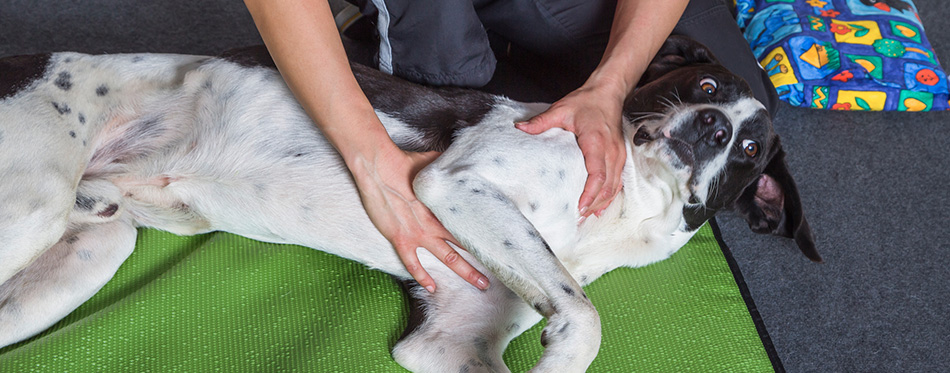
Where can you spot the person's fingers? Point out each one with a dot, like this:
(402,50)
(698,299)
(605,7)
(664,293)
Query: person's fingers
(441,246)
(407,254)
(451,258)
(540,123)
(613,182)
(596,177)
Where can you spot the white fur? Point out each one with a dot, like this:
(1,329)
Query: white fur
(190,145)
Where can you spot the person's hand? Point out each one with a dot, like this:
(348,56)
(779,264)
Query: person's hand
(593,115)
(385,185)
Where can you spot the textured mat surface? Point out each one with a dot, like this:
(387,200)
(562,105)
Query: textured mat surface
(224,302)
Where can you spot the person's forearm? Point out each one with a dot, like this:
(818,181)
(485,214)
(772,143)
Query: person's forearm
(306,46)
(638,31)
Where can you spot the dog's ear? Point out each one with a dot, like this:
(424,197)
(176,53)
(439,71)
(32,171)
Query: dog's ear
(676,52)
(772,205)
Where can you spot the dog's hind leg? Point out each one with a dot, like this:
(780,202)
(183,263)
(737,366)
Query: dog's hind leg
(493,229)
(460,328)
(63,277)
(46,130)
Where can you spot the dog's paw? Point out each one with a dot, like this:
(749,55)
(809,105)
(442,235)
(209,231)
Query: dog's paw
(571,339)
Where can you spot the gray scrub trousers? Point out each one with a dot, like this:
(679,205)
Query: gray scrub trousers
(447,42)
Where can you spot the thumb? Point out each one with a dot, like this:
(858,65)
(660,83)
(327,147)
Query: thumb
(536,125)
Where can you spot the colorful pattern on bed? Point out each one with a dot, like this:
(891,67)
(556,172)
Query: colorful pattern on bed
(845,54)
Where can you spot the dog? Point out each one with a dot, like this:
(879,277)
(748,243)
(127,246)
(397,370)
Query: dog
(92,147)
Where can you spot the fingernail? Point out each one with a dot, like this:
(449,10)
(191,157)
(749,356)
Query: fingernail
(601,212)
(584,211)
(430,288)
(483,283)
(581,220)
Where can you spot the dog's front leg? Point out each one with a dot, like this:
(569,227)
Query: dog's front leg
(492,228)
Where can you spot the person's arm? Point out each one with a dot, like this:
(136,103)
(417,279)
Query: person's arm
(593,111)
(305,44)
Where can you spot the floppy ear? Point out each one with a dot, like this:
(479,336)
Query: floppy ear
(772,205)
(676,52)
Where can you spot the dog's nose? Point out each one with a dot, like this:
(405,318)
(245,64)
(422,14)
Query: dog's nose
(714,127)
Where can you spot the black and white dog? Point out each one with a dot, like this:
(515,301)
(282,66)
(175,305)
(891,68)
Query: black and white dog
(92,147)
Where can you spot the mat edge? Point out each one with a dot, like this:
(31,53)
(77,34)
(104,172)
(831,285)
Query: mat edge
(747,298)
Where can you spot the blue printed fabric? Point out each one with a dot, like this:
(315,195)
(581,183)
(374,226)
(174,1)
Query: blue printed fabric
(845,54)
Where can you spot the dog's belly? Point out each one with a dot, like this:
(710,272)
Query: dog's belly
(237,155)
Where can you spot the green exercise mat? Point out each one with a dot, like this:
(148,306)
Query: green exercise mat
(220,302)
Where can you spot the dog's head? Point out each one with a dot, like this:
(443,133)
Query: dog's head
(698,123)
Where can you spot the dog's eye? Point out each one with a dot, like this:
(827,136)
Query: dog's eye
(708,85)
(751,148)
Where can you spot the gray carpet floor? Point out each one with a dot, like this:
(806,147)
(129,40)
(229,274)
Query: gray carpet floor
(874,186)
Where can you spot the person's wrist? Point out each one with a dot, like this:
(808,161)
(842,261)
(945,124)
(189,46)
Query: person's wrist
(363,161)
(608,87)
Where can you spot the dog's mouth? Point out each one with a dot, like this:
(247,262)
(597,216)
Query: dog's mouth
(676,153)
(683,150)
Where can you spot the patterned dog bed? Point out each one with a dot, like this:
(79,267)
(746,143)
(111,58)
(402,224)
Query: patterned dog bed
(845,54)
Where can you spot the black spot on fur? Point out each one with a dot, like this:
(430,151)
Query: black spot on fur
(483,351)
(102,90)
(435,113)
(476,191)
(567,289)
(534,234)
(82,119)
(72,134)
(533,206)
(84,255)
(538,307)
(19,72)
(84,202)
(72,239)
(454,210)
(62,108)
(508,244)
(561,174)
(138,59)
(64,81)
(500,197)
